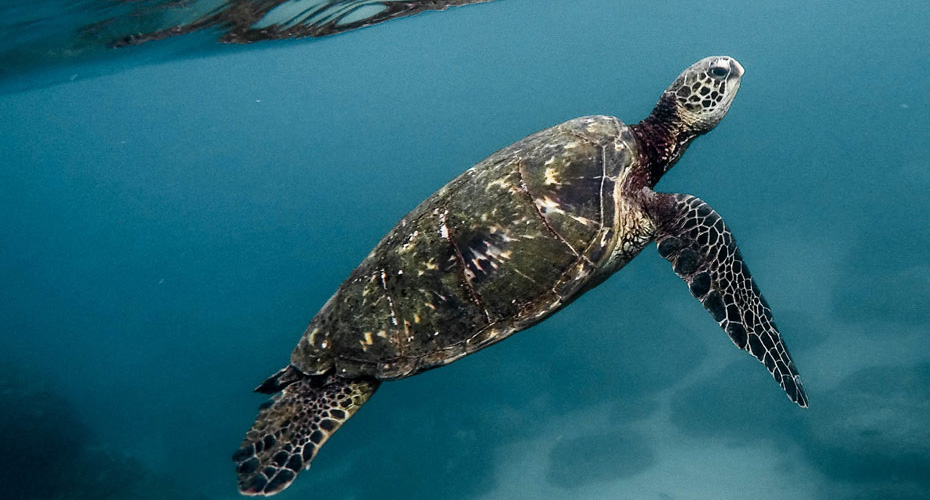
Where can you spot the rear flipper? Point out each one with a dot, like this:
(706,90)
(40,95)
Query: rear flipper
(292,427)
(702,251)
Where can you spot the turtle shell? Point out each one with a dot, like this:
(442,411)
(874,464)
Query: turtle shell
(498,249)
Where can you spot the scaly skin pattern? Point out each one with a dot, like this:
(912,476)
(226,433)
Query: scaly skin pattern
(292,427)
(498,249)
(703,252)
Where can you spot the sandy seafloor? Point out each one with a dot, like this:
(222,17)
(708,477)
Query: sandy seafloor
(169,229)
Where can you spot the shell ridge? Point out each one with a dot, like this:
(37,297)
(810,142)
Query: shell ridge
(532,200)
(448,235)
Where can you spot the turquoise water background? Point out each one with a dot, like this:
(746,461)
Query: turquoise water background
(169,230)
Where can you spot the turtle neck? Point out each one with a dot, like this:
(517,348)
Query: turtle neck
(662,138)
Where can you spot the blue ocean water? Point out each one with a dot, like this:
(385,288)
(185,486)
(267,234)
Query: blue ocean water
(169,229)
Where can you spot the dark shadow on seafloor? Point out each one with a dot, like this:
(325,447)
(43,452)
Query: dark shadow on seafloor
(49,454)
(873,433)
(885,277)
(599,458)
(869,436)
(726,406)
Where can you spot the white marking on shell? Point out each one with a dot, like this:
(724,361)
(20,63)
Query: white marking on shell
(502,182)
(551,173)
(547,310)
(409,244)
(312,338)
(367,341)
(582,272)
(497,254)
(388,297)
(525,276)
(500,232)
(443,229)
(494,256)
(584,220)
(549,205)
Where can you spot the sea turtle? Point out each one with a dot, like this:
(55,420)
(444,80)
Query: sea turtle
(502,247)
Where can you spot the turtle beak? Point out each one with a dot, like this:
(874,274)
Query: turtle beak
(736,69)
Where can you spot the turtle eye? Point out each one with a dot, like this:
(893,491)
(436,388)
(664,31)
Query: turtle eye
(719,72)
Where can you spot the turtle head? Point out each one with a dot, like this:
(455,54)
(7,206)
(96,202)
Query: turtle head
(703,92)
(691,106)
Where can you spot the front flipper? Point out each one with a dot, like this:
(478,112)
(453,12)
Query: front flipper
(292,427)
(703,252)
